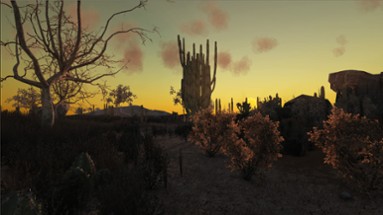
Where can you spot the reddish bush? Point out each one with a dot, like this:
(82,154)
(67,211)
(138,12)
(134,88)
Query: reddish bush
(210,132)
(254,144)
(353,145)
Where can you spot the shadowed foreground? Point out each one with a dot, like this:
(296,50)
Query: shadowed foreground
(295,185)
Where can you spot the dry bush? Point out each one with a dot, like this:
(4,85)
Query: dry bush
(254,144)
(353,145)
(209,131)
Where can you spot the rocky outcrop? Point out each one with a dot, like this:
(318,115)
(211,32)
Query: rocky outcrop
(299,116)
(358,92)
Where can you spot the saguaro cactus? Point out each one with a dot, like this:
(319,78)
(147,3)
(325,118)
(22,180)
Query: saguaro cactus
(197,84)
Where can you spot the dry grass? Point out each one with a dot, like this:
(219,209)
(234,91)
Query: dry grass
(295,185)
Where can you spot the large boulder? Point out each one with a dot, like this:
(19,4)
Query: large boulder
(358,92)
(298,117)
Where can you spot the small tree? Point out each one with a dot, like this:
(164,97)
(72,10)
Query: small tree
(28,99)
(210,132)
(79,110)
(353,145)
(121,95)
(244,109)
(254,144)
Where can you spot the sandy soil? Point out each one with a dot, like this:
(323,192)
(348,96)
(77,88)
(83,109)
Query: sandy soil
(295,185)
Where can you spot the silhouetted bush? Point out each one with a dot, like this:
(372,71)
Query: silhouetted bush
(130,141)
(125,194)
(44,161)
(183,130)
(153,164)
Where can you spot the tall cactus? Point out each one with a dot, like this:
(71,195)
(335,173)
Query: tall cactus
(322,93)
(197,85)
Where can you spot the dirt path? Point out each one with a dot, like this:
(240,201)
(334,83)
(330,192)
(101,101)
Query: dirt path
(295,185)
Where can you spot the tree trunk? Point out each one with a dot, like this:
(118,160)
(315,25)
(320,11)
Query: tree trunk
(47,111)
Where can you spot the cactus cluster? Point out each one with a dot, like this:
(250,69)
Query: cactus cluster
(218,108)
(244,109)
(270,106)
(197,85)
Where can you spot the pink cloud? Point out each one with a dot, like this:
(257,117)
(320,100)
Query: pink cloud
(339,51)
(370,5)
(169,54)
(89,17)
(133,58)
(264,44)
(341,40)
(242,66)
(224,60)
(197,27)
(217,17)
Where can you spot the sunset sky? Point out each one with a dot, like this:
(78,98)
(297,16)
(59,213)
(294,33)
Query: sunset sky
(265,47)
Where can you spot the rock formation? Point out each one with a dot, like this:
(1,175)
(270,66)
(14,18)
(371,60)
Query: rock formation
(298,117)
(359,92)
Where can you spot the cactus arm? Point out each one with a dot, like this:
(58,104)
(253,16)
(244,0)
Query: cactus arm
(181,51)
(213,81)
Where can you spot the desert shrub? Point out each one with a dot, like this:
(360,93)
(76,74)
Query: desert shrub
(130,142)
(20,203)
(353,145)
(125,193)
(255,144)
(210,131)
(41,160)
(72,192)
(183,130)
(153,164)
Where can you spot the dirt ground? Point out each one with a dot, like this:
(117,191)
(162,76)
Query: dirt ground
(295,185)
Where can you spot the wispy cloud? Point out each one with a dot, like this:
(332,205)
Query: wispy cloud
(341,40)
(264,44)
(169,54)
(224,60)
(89,17)
(216,16)
(339,51)
(370,5)
(194,28)
(242,66)
(133,58)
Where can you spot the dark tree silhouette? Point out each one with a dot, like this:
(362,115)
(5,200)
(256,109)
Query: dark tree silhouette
(121,95)
(28,99)
(57,48)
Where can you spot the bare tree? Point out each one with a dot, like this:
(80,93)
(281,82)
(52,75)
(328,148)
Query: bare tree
(58,50)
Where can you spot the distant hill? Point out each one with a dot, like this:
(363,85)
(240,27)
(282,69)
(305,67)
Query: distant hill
(129,111)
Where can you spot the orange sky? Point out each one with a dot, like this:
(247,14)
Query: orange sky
(265,47)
